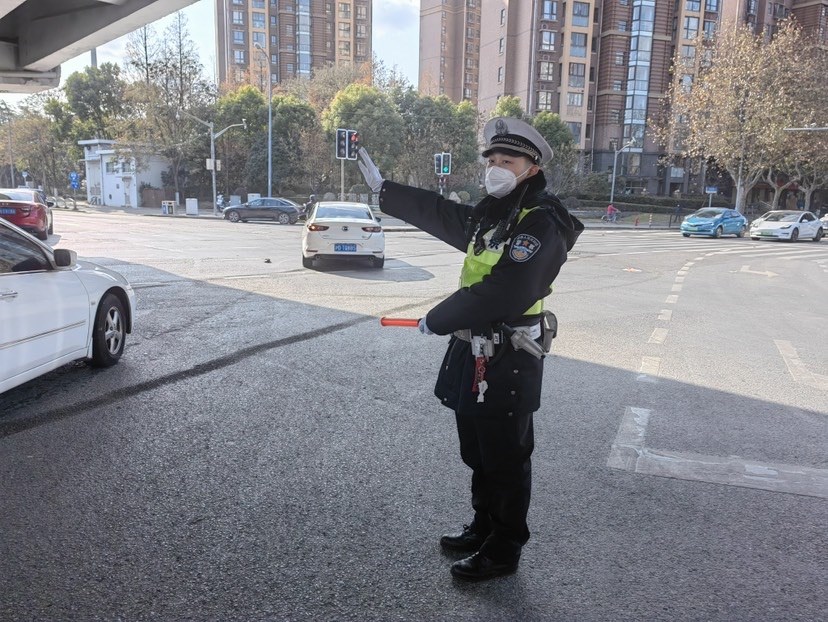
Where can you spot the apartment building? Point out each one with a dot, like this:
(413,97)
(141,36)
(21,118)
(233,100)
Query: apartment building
(284,39)
(603,65)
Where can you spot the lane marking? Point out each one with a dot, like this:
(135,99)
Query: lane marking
(768,273)
(658,335)
(671,299)
(666,315)
(649,366)
(628,453)
(680,279)
(798,370)
(676,288)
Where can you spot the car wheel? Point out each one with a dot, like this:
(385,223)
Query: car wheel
(284,219)
(233,216)
(687,235)
(753,238)
(378,262)
(109,332)
(794,235)
(741,233)
(42,235)
(718,232)
(818,235)
(51,226)
(307,262)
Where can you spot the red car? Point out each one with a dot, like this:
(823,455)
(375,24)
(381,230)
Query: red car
(28,210)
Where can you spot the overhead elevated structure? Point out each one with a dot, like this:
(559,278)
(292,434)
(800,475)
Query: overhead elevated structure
(36,36)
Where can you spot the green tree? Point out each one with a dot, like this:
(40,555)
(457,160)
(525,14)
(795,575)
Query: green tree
(234,148)
(375,116)
(562,172)
(96,97)
(508,106)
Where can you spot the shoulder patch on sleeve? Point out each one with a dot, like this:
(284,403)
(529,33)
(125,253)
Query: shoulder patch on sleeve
(523,247)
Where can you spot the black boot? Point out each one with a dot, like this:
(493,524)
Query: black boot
(467,540)
(478,567)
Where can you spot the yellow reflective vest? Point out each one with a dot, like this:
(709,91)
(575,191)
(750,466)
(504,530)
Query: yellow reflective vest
(475,267)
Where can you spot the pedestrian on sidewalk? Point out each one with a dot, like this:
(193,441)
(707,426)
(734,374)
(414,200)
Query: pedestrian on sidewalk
(516,240)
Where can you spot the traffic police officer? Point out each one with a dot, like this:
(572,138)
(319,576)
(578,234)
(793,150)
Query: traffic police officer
(516,239)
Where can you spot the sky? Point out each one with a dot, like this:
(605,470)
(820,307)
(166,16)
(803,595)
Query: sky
(396,39)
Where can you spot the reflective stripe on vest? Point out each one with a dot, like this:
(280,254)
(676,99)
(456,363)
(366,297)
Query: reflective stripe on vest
(475,267)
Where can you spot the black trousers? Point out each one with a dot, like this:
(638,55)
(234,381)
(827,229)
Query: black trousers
(498,450)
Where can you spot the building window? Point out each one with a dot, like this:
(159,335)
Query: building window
(547,41)
(238,37)
(619,58)
(344,48)
(344,30)
(617,85)
(578,44)
(467,93)
(693,5)
(258,4)
(238,57)
(502,16)
(575,128)
(362,12)
(615,116)
(238,18)
(545,100)
(361,31)
(345,10)
(274,41)
(580,14)
(712,6)
(274,59)
(289,68)
(500,46)
(688,55)
(575,99)
(709,28)
(549,10)
(499,75)
(691,27)
(622,25)
(547,71)
(577,73)
(258,20)
(259,37)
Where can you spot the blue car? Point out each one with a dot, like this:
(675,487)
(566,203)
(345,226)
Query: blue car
(714,222)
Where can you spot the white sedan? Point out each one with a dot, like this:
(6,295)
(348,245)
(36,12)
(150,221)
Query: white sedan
(337,229)
(55,309)
(788,225)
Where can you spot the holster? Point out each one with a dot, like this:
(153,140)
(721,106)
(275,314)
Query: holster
(549,328)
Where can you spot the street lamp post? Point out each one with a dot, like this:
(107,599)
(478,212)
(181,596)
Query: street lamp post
(213,137)
(615,164)
(259,47)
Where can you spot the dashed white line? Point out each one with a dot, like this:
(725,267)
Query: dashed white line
(665,315)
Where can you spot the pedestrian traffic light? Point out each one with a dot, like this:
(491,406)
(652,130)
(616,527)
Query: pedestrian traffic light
(353,144)
(446,168)
(342,144)
(438,163)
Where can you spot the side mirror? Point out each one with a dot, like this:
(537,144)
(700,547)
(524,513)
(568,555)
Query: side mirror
(50,203)
(379,219)
(65,258)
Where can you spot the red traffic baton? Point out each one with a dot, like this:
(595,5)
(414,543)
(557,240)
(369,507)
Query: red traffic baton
(400,321)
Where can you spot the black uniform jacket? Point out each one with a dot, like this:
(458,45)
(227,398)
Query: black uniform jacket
(515,283)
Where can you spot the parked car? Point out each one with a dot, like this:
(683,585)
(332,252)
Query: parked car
(714,222)
(281,210)
(342,229)
(787,225)
(55,309)
(824,221)
(28,209)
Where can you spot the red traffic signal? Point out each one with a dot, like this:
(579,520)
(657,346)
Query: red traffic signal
(353,144)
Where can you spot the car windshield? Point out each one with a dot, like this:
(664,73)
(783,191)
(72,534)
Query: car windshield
(707,213)
(16,195)
(781,217)
(343,212)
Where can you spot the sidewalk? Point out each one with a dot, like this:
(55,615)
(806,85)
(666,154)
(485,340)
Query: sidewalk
(390,223)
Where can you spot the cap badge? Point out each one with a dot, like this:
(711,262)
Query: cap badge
(501,127)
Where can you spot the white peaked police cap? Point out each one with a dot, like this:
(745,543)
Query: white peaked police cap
(517,137)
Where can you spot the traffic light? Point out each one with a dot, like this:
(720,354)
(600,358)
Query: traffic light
(438,163)
(342,144)
(353,144)
(446,164)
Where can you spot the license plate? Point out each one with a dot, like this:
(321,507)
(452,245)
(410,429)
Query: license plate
(7,210)
(345,248)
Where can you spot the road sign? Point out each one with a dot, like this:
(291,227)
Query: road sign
(711,190)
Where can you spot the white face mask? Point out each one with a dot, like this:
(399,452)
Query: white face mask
(501,181)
